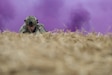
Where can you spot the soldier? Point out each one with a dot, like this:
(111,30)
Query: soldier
(31,25)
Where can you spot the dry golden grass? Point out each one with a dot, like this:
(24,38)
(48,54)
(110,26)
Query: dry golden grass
(70,53)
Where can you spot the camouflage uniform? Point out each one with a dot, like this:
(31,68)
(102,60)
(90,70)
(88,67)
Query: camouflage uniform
(31,20)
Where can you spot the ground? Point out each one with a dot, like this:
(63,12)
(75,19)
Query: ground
(59,53)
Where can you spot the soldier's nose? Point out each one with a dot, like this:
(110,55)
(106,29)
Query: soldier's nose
(31,24)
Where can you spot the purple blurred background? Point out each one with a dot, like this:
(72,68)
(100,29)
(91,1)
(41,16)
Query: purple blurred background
(58,14)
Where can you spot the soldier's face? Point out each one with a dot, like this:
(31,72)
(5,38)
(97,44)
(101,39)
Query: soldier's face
(31,28)
(31,22)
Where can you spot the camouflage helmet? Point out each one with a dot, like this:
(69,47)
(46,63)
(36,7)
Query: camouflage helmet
(31,20)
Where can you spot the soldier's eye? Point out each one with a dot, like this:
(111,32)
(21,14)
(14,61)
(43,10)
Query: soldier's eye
(30,23)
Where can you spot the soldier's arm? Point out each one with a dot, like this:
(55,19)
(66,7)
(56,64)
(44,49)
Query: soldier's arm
(22,29)
(42,29)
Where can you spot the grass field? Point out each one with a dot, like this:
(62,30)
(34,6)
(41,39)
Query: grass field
(59,53)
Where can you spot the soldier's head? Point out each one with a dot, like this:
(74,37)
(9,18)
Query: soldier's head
(31,21)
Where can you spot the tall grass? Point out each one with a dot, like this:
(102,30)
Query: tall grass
(56,53)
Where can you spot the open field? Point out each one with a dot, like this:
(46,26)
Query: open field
(70,53)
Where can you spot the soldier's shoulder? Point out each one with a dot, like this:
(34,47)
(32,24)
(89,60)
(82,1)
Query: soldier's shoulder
(23,26)
(40,24)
